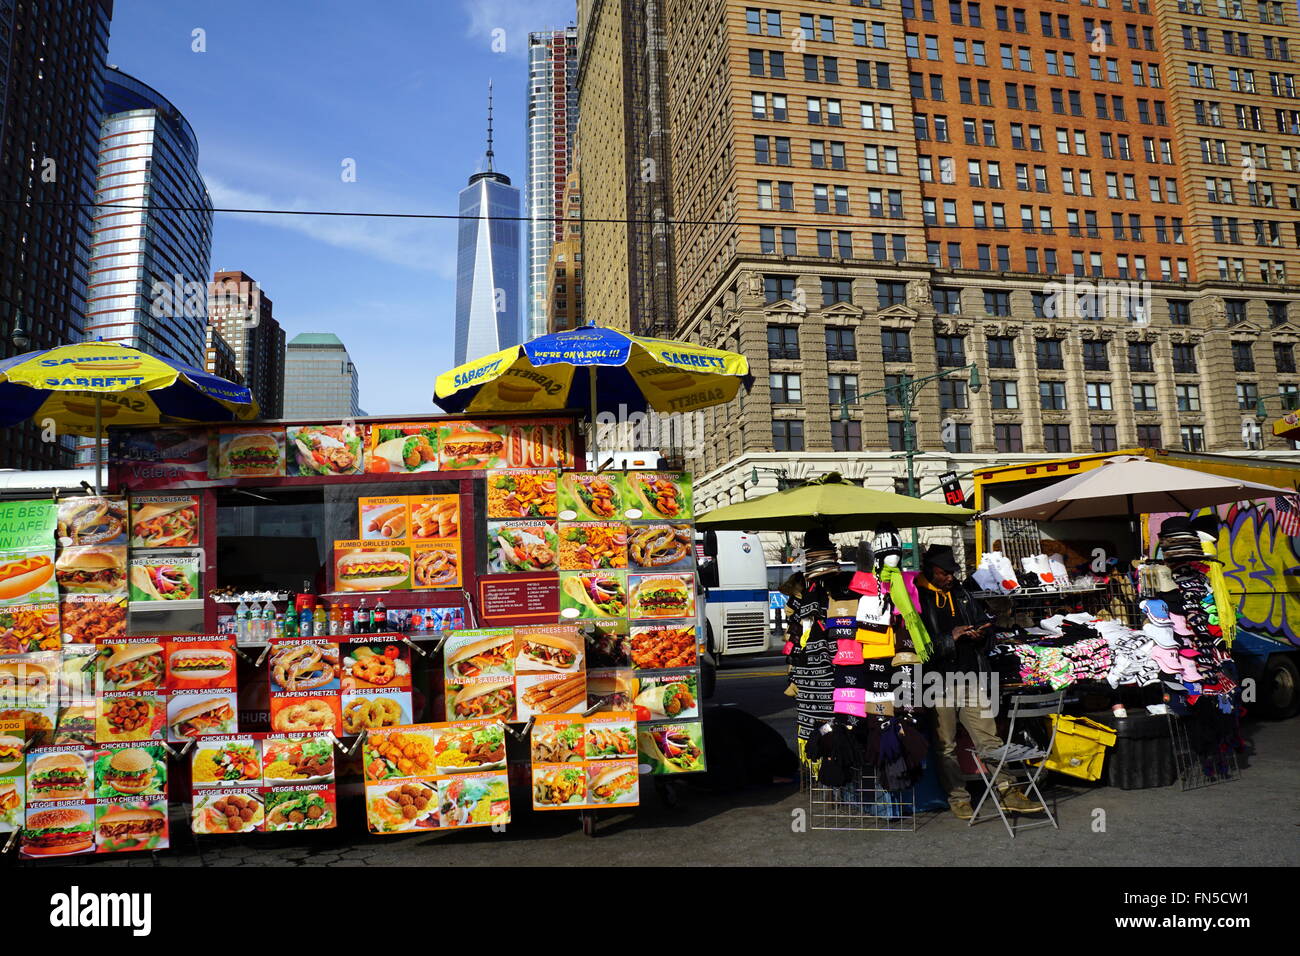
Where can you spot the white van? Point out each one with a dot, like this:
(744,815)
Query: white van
(733,578)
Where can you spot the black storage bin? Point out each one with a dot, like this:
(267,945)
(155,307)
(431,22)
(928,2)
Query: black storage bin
(1143,755)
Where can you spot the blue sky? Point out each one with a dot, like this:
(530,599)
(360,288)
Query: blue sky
(285,92)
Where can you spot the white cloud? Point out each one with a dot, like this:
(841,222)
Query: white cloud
(411,243)
(516,20)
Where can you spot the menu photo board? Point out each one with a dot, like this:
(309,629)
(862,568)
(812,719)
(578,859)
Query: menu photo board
(29,595)
(436,776)
(420,533)
(583,762)
(164,521)
(202,686)
(324,450)
(166,575)
(108,798)
(305,686)
(479,674)
(376,683)
(259,783)
(256,452)
(13,779)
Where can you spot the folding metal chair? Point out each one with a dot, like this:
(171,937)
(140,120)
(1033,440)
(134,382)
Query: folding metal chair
(1023,764)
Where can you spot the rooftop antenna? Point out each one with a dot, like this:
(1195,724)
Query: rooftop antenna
(489,129)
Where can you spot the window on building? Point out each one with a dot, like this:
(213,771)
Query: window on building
(1099,397)
(1243,357)
(842,387)
(1284,357)
(1144,397)
(947,301)
(952,394)
(1051,396)
(1049,354)
(1056,438)
(1139,357)
(1005,393)
(951,350)
(890,293)
(836,290)
(1006,437)
(1188,397)
(778,288)
(840,345)
(1247,396)
(1192,437)
(787,435)
(1184,355)
(846,436)
(786,389)
(1002,351)
(957,439)
(783,341)
(1103,438)
(896,345)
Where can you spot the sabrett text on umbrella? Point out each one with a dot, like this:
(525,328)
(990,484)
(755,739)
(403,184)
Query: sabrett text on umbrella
(693,360)
(465,378)
(707,397)
(110,381)
(550,385)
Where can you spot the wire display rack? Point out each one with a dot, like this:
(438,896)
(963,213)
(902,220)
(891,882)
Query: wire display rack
(1197,769)
(858,805)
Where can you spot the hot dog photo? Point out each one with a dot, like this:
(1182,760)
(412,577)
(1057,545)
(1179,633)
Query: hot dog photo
(27,577)
(361,568)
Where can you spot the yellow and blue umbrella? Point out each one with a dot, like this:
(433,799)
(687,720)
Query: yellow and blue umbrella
(614,369)
(85,386)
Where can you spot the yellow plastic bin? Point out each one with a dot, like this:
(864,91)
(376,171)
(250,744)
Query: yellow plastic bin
(1080,747)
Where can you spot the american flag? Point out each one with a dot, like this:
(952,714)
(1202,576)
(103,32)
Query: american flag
(1288,516)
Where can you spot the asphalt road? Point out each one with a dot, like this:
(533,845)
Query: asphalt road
(1251,820)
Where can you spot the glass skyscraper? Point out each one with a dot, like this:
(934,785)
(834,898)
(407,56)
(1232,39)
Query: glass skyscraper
(320,380)
(552,128)
(488,316)
(149,278)
(51,77)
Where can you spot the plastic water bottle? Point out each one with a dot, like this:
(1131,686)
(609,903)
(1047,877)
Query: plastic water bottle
(241,622)
(268,618)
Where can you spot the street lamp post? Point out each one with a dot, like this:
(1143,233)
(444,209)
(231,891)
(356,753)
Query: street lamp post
(907,389)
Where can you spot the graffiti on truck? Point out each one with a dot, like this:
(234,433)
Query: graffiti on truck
(1261,564)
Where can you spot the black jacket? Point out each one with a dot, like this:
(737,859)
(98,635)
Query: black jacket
(941,612)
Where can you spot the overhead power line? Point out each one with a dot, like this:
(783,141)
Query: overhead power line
(838,222)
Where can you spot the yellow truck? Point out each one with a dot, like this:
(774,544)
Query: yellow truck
(1259,544)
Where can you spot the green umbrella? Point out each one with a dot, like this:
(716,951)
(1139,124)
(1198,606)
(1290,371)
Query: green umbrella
(832,504)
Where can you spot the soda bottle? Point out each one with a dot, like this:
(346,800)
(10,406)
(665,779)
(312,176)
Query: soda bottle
(320,624)
(348,624)
(361,619)
(336,619)
(305,620)
(380,618)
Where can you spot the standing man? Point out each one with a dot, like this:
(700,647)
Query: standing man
(963,637)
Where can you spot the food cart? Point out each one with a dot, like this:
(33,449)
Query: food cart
(446,598)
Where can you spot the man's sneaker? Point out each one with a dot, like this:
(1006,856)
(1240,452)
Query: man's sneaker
(1013,801)
(962,809)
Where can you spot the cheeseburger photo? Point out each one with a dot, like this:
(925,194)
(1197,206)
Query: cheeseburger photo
(252,456)
(59,776)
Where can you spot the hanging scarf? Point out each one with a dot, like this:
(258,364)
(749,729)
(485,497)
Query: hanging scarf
(902,599)
(1222,599)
